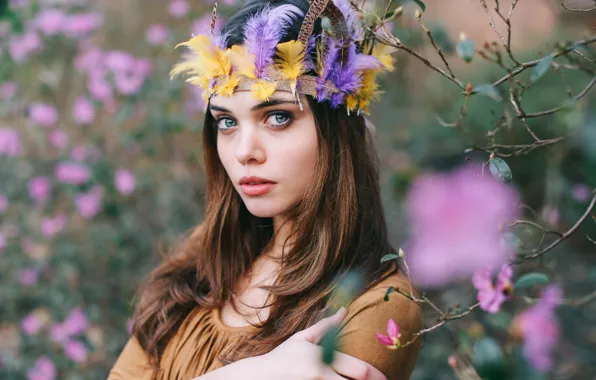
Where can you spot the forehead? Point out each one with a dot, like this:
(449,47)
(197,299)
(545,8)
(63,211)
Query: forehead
(245,101)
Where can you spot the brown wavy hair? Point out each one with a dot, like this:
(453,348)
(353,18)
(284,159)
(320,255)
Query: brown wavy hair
(337,228)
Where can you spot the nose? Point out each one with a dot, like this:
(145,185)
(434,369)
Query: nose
(249,148)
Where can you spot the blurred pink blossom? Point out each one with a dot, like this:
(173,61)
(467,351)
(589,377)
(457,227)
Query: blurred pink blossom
(73,173)
(455,221)
(50,21)
(39,189)
(83,111)
(179,8)
(195,103)
(119,61)
(58,333)
(391,340)
(43,114)
(79,153)
(550,214)
(50,227)
(19,3)
(98,86)
(28,276)
(31,324)
(157,34)
(76,322)
(10,143)
(58,138)
(23,46)
(491,297)
(124,181)
(88,59)
(539,328)
(3,203)
(581,192)
(81,24)
(89,204)
(75,351)
(8,90)
(44,369)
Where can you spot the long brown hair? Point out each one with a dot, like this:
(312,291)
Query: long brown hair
(338,227)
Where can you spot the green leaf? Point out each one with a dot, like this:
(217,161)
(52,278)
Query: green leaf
(420,4)
(541,68)
(389,256)
(329,344)
(389,291)
(531,279)
(488,359)
(389,14)
(500,170)
(488,90)
(465,50)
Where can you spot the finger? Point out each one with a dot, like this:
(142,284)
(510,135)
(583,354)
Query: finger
(315,333)
(355,368)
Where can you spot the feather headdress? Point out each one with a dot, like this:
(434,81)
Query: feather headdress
(332,66)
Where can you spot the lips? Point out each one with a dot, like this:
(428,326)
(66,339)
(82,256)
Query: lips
(254,186)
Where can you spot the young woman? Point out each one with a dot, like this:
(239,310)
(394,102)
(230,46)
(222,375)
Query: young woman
(293,207)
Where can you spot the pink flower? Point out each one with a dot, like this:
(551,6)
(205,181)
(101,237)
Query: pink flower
(490,296)
(88,59)
(39,189)
(58,138)
(391,340)
(8,90)
(59,333)
(98,86)
(50,227)
(124,181)
(10,143)
(539,327)
(83,111)
(43,114)
(21,47)
(179,8)
(28,276)
(75,351)
(76,323)
(455,221)
(550,214)
(31,324)
(3,203)
(119,61)
(73,173)
(80,24)
(44,369)
(50,21)
(89,203)
(157,34)
(581,192)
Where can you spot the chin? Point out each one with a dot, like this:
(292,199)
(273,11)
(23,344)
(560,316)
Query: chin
(263,207)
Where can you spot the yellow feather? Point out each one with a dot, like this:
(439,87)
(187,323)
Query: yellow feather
(263,89)
(207,60)
(383,54)
(227,88)
(242,60)
(290,63)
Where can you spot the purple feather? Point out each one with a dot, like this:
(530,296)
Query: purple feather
(348,78)
(329,60)
(309,64)
(264,31)
(352,18)
(337,99)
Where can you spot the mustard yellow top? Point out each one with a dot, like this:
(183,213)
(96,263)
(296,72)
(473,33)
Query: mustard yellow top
(194,349)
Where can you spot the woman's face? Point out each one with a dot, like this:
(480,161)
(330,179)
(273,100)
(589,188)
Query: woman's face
(272,140)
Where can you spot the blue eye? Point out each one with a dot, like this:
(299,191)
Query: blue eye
(227,123)
(279,119)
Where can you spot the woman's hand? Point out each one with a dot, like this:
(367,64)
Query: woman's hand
(299,358)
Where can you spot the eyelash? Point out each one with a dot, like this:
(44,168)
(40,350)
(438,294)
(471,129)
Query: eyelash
(288,115)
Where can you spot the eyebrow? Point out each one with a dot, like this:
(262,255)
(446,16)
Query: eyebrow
(268,103)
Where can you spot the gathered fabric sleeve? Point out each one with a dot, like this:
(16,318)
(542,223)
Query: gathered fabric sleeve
(368,315)
(133,363)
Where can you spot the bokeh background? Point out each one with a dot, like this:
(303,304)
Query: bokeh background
(100,166)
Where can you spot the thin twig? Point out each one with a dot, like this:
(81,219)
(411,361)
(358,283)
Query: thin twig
(564,236)
(438,49)
(557,109)
(577,10)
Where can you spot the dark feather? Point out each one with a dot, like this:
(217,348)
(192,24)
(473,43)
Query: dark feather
(314,12)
